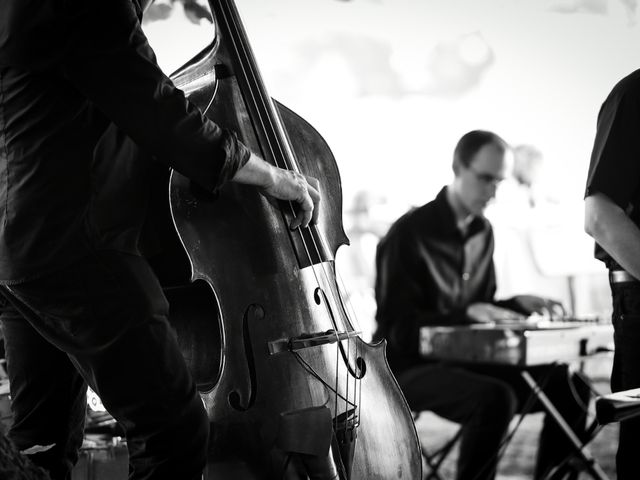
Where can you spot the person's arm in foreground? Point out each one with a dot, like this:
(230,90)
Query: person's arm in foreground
(607,223)
(283,185)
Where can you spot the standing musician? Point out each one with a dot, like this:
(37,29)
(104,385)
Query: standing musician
(435,267)
(612,218)
(78,81)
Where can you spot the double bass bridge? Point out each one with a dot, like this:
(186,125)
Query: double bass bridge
(309,340)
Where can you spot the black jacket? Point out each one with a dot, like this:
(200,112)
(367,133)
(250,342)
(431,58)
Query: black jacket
(80,93)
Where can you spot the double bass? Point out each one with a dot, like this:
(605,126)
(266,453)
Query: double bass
(291,390)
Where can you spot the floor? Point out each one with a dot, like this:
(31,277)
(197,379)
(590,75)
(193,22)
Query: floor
(106,460)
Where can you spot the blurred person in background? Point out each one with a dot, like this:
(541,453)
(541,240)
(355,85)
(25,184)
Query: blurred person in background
(526,222)
(364,226)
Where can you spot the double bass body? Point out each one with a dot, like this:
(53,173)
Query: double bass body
(291,390)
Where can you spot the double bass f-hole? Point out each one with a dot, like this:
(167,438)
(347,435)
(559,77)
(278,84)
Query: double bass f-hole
(359,369)
(253,312)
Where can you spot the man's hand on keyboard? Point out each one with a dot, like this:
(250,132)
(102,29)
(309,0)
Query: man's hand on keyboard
(489,313)
(531,304)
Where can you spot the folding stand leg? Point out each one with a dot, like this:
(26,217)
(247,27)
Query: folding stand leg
(434,460)
(591,465)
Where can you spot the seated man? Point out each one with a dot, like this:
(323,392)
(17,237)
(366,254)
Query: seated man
(435,267)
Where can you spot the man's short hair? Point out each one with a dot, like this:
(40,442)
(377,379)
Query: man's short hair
(473,141)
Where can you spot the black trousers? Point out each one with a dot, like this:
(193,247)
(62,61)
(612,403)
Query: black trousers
(484,398)
(626,371)
(102,321)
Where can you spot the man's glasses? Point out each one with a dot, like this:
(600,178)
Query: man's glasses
(485,178)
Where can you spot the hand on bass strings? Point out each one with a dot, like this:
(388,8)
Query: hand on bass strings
(283,184)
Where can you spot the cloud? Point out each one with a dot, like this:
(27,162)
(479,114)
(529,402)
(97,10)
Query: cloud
(366,58)
(599,7)
(457,66)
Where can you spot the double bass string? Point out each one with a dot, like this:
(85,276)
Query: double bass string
(251,73)
(351,314)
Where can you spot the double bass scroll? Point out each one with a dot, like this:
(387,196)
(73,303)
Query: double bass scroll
(292,392)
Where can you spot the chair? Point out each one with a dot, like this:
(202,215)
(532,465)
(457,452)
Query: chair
(434,456)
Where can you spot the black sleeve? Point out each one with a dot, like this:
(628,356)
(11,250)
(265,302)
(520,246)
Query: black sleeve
(110,61)
(405,300)
(614,169)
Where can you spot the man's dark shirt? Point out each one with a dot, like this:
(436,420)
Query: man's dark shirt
(70,181)
(428,273)
(615,160)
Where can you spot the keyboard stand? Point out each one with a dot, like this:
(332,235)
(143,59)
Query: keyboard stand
(589,463)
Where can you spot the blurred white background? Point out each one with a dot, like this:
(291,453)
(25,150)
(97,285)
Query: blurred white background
(393,84)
